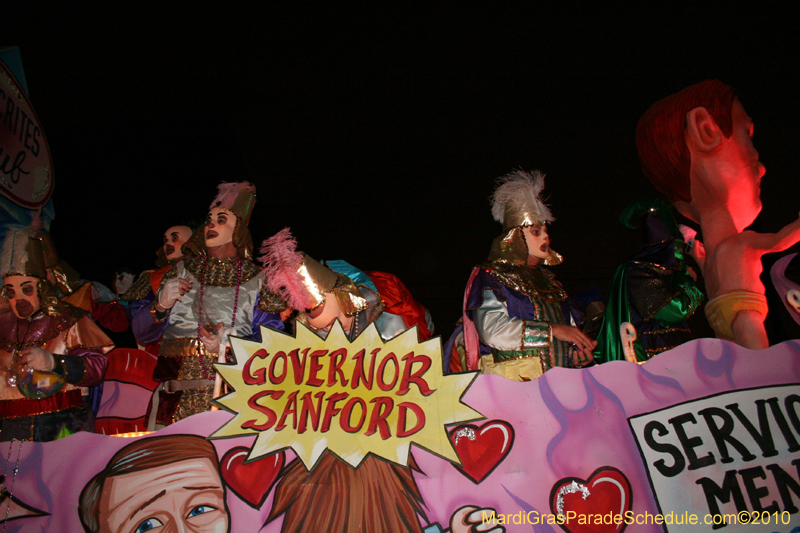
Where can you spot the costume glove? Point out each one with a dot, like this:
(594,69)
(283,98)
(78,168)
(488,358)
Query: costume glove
(38,359)
(173,291)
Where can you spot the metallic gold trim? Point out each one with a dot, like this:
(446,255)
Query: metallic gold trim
(496,361)
(184,347)
(69,318)
(533,282)
(154,312)
(220,272)
(140,288)
(663,331)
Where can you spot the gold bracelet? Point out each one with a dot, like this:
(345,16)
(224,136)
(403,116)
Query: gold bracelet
(155,313)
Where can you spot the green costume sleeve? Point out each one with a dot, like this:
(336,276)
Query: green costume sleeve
(609,342)
(685,302)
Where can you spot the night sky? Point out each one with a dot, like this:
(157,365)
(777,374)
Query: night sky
(377,134)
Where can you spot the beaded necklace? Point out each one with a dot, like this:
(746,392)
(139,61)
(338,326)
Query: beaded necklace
(12,369)
(206,374)
(9,493)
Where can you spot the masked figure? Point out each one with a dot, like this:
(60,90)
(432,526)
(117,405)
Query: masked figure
(141,295)
(321,295)
(49,350)
(654,290)
(93,297)
(514,321)
(216,291)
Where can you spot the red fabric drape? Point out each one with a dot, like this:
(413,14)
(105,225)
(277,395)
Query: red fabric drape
(398,301)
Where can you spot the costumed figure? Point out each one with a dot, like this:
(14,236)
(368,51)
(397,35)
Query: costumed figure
(313,500)
(139,298)
(142,293)
(120,284)
(696,148)
(399,301)
(49,349)
(216,292)
(396,298)
(514,323)
(321,295)
(91,296)
(653,290)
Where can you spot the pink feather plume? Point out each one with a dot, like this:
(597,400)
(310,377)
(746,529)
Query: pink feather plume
(228,192)
(281,262)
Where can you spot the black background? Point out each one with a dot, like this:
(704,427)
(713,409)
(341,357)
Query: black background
(376,133)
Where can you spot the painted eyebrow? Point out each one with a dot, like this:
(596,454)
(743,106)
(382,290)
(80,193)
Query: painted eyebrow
(148,502)
(203,488)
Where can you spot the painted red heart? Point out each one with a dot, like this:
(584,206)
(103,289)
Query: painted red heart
(482,448)
(250,481)
(602,498)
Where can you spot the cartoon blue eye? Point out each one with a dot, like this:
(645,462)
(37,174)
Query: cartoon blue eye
(149,524)
(201,509)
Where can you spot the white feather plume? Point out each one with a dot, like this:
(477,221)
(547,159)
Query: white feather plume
(520,192)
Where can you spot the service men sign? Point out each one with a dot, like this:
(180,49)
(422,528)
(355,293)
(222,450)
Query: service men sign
(728,454)
(26,169)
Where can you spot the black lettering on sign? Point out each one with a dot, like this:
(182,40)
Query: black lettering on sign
(762,438)
(756,494)
(689,444)
(722,434)
(14,170)
(790,403)
(25,121)
(678,461)
(729,489)
(35,147)
(786,482)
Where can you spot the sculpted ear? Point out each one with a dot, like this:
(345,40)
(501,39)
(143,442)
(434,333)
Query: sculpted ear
(702,131)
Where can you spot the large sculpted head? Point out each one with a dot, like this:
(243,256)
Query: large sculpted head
(696,148)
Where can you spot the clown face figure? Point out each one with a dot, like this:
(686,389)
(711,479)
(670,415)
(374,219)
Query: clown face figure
(174,238)
(219,228)
(23,295)
(538,241)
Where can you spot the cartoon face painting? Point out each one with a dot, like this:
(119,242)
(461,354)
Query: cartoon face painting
(166,484)
(184,496)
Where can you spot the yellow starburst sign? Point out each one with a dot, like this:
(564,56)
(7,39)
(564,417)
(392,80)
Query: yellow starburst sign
(369,396)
